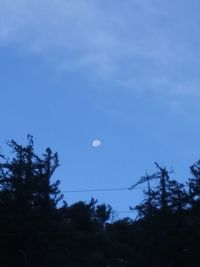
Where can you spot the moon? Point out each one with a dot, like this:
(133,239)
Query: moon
(96,143)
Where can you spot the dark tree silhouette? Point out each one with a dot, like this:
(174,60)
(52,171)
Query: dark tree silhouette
(27,199)
(194,183)
(169,196)
(37,232)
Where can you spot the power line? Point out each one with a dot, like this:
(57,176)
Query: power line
(94,190)
(103,189)
(24,216)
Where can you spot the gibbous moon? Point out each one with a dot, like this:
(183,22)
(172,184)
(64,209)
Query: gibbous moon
(96,143)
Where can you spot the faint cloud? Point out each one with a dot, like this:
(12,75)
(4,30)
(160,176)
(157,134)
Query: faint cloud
(145,44)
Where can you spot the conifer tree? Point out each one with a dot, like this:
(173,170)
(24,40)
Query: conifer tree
(169,196)
(194,184)
(28,202)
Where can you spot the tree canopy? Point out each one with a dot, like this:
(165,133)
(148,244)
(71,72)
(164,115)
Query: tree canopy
(39,228)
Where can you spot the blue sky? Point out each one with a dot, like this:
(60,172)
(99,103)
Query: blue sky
(124,72)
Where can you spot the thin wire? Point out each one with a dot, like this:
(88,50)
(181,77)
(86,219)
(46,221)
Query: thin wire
(11,215)
(102,190)
(94,190)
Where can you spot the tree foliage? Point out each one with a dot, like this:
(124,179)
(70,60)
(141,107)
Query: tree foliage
(37,228)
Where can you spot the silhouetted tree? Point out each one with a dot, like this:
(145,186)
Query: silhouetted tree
(194,183)
(37,232)
(169,196)
(27,200)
